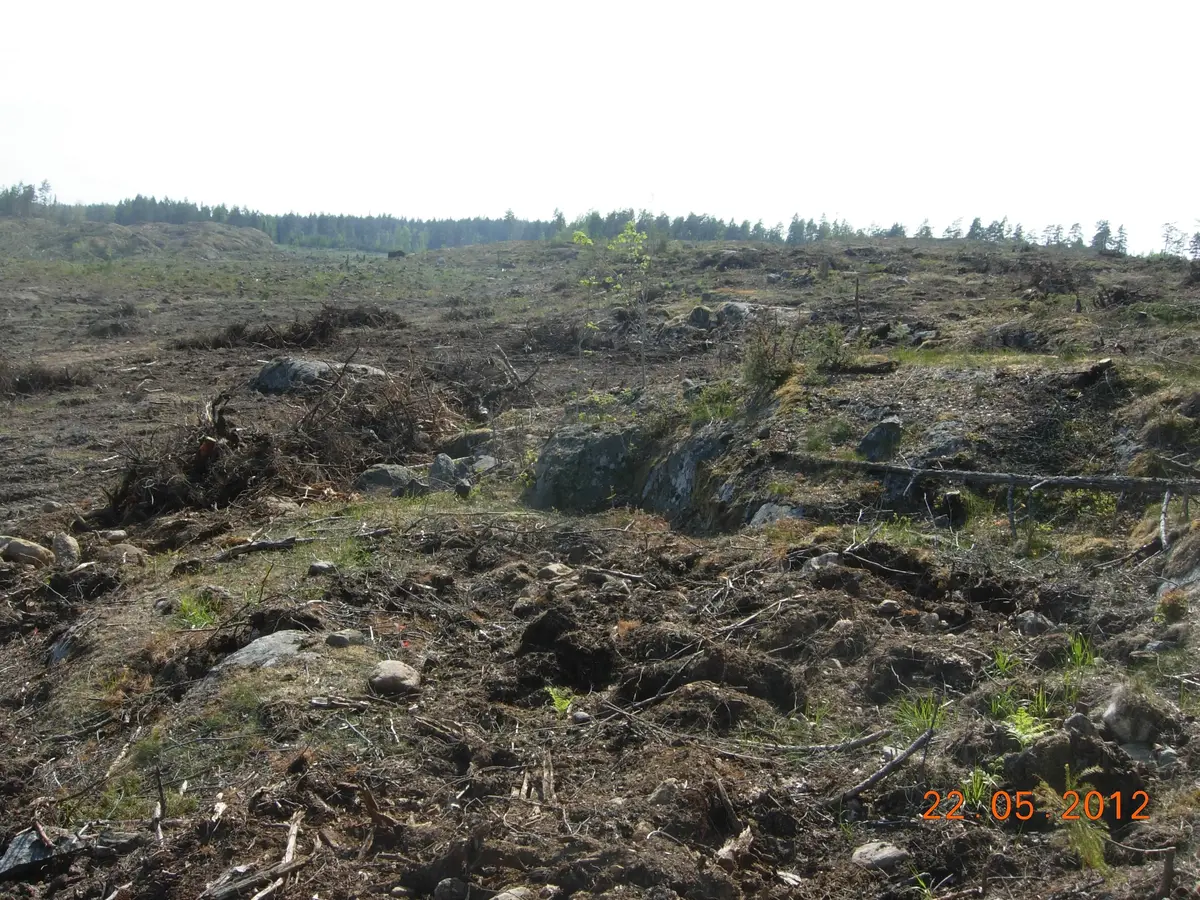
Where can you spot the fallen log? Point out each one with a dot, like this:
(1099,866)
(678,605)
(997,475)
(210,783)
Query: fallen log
(1112,484)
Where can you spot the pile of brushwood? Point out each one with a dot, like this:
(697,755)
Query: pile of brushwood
(213,462)
(319,330)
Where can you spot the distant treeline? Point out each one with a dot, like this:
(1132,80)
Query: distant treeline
(383,233)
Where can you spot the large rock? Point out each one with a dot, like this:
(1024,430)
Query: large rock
(392,479)
(881,442)
(467,443)
(19,550)
(268,651)
(288,373)
(392,677)
(446,472)
(1133,718)
(879,855)
(584,468)
(772,512)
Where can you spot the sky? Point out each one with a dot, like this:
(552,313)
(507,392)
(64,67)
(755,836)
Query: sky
(1052,111)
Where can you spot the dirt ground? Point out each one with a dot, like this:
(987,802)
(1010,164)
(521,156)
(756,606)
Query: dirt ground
(641,700)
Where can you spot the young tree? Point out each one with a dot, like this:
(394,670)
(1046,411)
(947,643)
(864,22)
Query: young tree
(1173,239)
(795,234)
(1102,237)
(1075,236)
(1122,244)
(1194,246)
(976,232)
(629,250)
(953,231)
(925,232)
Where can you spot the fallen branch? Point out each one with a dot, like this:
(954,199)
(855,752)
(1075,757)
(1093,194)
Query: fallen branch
(1107,483)
(883,773)
(286,543)
(226,889)
(865,741)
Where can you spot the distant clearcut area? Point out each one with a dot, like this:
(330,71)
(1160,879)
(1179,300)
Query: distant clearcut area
(632,568)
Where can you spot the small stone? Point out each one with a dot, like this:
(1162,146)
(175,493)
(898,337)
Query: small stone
(553,571)
(122,555)
(666,794)
(526,607)
(348,637)
(462,488)
(579,717)
(322,567)
(66,550)
(1031,624)
(517,893)
(1155,646)
(113,537)
(165,606)
(1139,752)
(19,550)
(824,561)
(879,855)
(484,464)
(1079,724)
(451,889)
(51,506)
(889,608)
(391,677)
(1168,762)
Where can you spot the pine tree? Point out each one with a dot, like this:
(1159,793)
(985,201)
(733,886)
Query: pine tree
(1102,237)
(1122,244)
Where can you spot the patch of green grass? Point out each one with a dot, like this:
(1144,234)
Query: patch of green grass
(715,402)
(198,610)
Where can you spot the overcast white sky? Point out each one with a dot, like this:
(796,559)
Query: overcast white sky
(1046,112)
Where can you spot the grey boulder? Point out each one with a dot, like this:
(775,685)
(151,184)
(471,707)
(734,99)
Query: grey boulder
(288,373)
(392,677)
(881,442)
(879,855)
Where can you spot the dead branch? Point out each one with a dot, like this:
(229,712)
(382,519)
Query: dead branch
(883,773)
(286,543)
(1106,483)
(224,890)
(865,741)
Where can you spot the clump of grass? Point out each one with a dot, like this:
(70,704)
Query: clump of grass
(1173,606)
(199,610)
(713,403)
(1080,654)
(1005,662)
(916,715)
(977,787)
